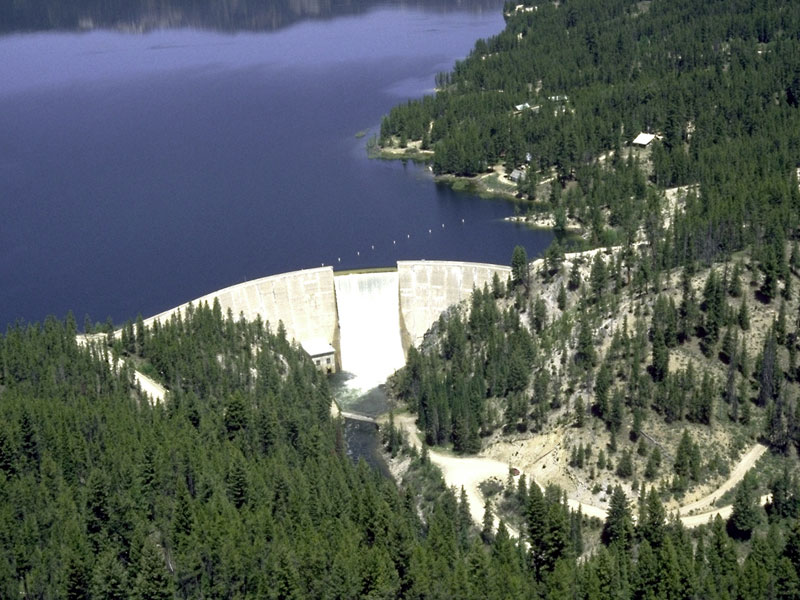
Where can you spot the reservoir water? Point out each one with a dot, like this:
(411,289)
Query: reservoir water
(149,158)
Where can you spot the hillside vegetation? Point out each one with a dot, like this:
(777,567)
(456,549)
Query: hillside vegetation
(648,365)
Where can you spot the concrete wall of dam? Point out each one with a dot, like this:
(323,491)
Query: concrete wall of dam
(428,288)
(306,301)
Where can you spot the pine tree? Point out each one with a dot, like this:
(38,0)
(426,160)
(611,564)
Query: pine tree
(235,415)
(536,525)
(8,453)
(735,281)
(183,520)
(574,281)
(97,507)
(29,445)
(785,496)
(787,583)
(152,581)
(791,549)
(580,412)
(598,277)
(743,316)
(237,483)
(487,532)
(769,374)
(109,579)
(625,465)
(556,538)
(745,514)
(618,527)
(601,386)
(653,464)
(464,521)
(780,325)
(585,355)
(141,333)
(77,580)
(652,528)
(660,364)
(519,266)
(683,456)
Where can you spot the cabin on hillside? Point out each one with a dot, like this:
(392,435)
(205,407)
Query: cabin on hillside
(643,140)
(517,175)
(322,353)
(518,108)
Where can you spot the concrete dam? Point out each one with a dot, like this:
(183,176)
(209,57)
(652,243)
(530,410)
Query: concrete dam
(369,319)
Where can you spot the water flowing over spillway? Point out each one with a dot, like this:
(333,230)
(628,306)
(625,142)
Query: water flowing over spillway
(369,327)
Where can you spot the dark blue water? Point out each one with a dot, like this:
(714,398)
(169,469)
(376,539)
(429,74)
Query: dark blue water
(140,171)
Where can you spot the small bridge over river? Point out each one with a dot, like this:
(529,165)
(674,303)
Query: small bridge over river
(357,417)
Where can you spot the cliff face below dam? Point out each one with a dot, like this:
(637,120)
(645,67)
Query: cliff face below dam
(410,298)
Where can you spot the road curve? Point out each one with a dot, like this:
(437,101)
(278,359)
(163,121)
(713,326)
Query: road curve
(746,463)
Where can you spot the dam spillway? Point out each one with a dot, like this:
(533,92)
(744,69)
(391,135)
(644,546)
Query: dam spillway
(370,343)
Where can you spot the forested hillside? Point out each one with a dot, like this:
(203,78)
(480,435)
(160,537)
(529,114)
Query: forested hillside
(648,365)
(568,85)
(237,487)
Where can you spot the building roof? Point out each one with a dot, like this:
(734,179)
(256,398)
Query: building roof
(317,347)
(643,139)
(516,175)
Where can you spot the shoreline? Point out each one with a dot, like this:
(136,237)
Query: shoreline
(494,183)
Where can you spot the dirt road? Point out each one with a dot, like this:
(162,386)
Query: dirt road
(737,474)
(470,471)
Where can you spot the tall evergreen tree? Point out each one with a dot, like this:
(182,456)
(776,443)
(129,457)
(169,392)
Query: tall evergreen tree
(152,581)
(618,527)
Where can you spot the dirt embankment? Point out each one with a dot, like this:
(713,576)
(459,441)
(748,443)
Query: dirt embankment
(152,388)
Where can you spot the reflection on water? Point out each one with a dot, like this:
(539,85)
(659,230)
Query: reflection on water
(219,15)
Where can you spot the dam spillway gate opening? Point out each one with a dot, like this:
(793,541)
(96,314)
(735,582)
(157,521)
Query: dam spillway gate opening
(370,341)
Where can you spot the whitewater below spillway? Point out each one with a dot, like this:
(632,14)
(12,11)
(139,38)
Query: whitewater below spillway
(369,328)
